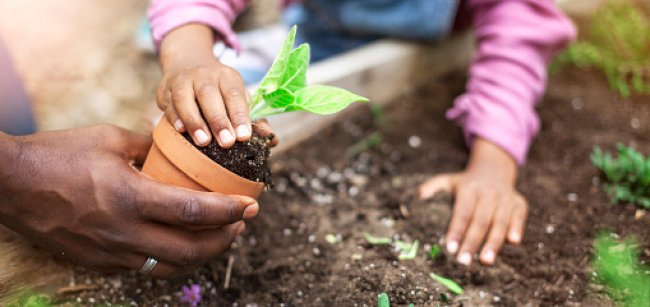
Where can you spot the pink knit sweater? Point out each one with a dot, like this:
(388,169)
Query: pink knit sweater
(516,39)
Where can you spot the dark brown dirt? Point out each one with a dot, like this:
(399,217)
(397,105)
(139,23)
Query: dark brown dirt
(284,260)
(248,159)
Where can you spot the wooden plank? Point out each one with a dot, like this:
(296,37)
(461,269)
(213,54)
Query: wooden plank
(380,71)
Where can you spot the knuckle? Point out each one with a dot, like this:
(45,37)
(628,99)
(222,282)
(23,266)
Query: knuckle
(482,223)
(190,256)
(218,120)
(179,96)
(239,114)
(206,90)
(191,213)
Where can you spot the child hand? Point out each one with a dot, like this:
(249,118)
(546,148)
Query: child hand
(487,207)
(193,78)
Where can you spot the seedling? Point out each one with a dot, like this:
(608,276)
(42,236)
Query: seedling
(448,283)
(408,251)
(383,300)
(617,44)
(377,240)
(434,252)
(617,266)
(371,141)
(628,175)
(284,88)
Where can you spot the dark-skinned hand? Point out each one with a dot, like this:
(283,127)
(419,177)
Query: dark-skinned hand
(77,193)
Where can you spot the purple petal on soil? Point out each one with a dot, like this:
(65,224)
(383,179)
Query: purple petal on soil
(191,295)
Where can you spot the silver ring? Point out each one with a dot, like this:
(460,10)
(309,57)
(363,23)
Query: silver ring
(148,266)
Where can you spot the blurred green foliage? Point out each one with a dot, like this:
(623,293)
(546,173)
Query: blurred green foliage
(617,42)
(617,266)
(30,299)
(628,175)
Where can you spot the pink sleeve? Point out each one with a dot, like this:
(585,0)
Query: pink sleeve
(167,15)
(516,41)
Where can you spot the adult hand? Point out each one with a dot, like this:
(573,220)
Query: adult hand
(193,75)
(488,210)
(76,193)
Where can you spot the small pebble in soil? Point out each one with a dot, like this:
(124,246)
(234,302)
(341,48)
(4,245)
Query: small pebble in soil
(577,103)
(353,191)
(356,257)
(415,141)
(572,197)
(496,299)
(287,232)
(550,228)
(311,238)
(635,123)
(316,251)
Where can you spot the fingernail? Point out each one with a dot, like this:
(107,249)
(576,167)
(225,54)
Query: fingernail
(251,211)
(488,256)
(178,124)
(226,137)
(241,228)
(515,237)
(452,247)
(465,258)
(201,136)
(243,131)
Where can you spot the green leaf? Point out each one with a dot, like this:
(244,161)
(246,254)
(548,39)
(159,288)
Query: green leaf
(618,267)
(280,99)
(295,76)
(448,283)
(271,81)
(322,99)
(411,253)
(383,300)
(434,252)
(376,240)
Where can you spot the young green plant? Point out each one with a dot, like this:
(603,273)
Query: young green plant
(284,88)
(628,175)
(617,266)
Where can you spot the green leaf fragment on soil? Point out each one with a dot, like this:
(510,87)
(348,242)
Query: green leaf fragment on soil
(448,283)
(411,253)
(434,252)
(376,240)
(383,300)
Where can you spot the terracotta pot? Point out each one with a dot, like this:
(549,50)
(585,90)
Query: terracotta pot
(173,160)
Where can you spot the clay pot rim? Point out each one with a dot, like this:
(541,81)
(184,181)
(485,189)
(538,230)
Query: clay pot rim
(193,163)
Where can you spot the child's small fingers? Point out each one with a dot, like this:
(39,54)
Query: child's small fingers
(478,228)
(263,129)
(438,183)
(234,94)
(518,220)
(174,119)
(211,102)
(497,232)
(461,217)
(185,105)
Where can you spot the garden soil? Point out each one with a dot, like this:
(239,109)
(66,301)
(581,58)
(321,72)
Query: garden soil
(284,258)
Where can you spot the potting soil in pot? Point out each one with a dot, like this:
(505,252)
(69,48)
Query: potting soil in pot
(248,159)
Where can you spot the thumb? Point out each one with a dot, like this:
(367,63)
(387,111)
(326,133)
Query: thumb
(435,184)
